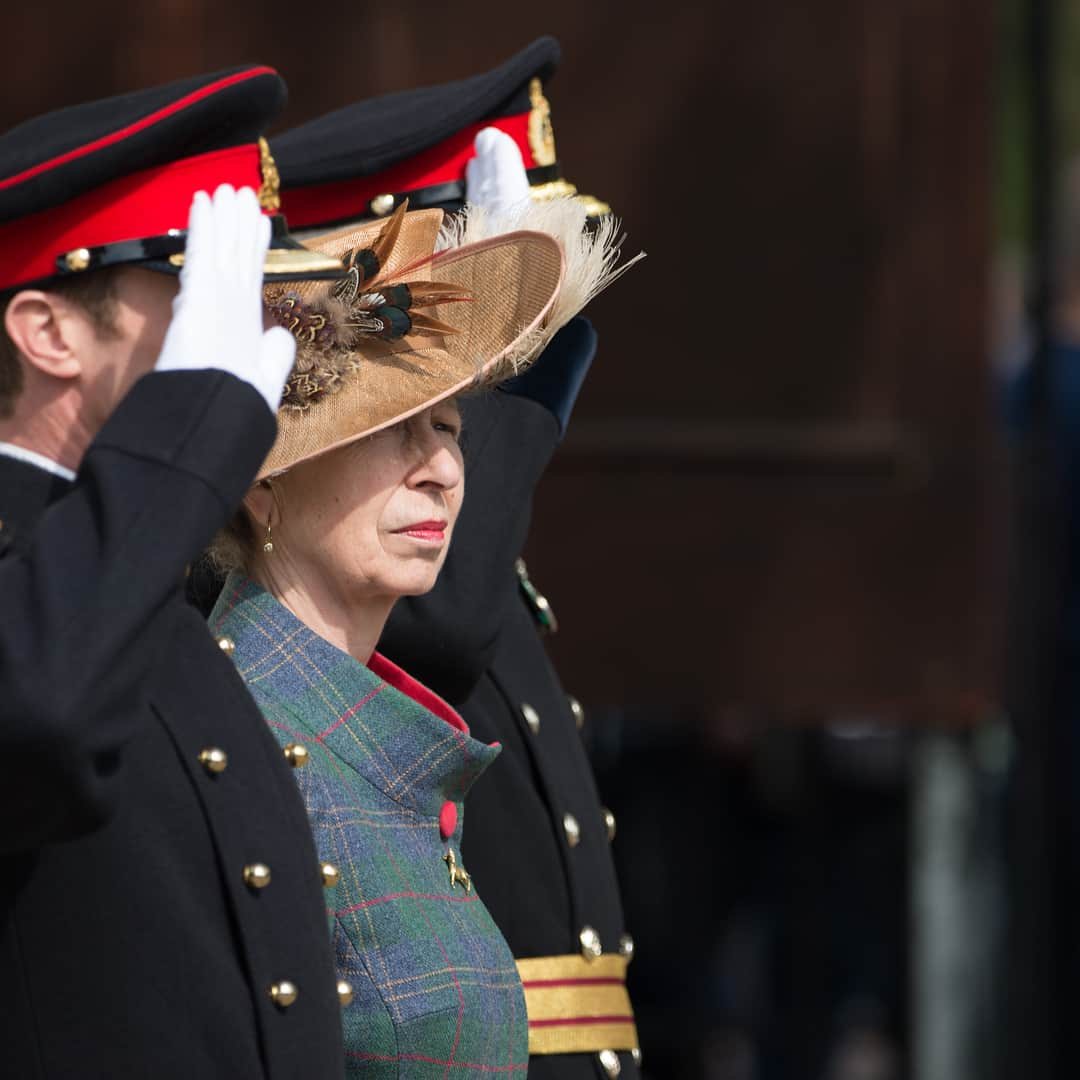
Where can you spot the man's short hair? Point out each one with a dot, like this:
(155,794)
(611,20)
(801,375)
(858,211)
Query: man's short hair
(94,292)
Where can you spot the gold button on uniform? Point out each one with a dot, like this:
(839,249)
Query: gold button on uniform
(572,829)
(213,760)
(344,992)
(284,993)
(532,717)
(226,645)
(545,615)
(296,754)
(577,711)
(609,824)
(590,943)
(609,1062)
(77,260)
(626,947)
(538,603)
(256,875)
(330,875)
(381,205)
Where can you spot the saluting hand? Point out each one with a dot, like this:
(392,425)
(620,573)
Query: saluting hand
(217,318)
(496,179)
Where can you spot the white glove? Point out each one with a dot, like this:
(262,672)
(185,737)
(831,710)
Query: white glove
(495,179)
(218,313)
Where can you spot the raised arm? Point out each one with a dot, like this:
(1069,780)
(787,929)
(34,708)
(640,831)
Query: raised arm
(81,600)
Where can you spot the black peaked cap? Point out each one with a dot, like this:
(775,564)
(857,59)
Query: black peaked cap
(366,137)
(74,150)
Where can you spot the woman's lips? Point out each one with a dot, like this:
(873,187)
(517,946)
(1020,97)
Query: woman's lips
(429,532)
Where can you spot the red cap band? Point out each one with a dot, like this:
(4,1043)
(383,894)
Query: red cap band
(142,204)
(442,163)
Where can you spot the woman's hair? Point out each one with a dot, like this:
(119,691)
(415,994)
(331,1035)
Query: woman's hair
(234,546)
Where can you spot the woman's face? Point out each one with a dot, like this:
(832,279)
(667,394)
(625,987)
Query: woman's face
(374,518)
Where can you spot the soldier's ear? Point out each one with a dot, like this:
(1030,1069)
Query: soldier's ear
(44,331)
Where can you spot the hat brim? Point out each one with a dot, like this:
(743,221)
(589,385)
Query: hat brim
(513,280)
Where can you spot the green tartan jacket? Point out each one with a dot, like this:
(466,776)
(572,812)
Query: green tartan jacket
(434,989)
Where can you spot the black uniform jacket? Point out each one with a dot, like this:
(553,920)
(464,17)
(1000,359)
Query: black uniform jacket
(474,640)
(131,945)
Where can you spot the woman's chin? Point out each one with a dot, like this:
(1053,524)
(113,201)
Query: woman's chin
(417,581)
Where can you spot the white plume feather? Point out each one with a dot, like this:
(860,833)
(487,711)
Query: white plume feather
(591,254)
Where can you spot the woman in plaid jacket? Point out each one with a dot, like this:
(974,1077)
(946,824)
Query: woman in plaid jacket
(354,508)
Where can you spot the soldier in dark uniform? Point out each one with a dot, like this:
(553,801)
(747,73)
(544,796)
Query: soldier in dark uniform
(538,837)
(161,903)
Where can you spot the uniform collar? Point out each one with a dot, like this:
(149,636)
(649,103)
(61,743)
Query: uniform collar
(399,735)
(40,461)
(26,492)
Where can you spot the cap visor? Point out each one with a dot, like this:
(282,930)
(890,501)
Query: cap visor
(287,260)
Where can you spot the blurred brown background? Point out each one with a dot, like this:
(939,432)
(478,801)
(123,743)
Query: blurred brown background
(778,489)
(782,496)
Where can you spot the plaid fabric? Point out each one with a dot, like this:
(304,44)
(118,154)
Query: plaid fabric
(436,989)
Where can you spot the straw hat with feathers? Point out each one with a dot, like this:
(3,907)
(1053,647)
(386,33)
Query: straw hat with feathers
(428,309)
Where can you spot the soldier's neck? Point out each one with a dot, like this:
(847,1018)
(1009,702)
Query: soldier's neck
(50,422)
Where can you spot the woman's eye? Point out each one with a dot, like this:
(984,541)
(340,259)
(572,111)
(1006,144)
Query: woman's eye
(453,430)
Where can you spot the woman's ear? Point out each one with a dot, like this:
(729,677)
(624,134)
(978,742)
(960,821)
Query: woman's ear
(38,327)
(261,503)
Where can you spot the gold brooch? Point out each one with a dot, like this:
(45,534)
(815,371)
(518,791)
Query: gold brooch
(458,876)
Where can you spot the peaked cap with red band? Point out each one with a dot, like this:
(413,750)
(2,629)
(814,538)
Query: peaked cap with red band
(111,181)
(364,160)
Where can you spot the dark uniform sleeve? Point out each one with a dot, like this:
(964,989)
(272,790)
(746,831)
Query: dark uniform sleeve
(78,600)
(447,638)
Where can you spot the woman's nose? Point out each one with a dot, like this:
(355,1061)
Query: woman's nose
(440,467)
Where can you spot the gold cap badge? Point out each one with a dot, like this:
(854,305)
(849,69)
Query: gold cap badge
(541,133)
(270,192)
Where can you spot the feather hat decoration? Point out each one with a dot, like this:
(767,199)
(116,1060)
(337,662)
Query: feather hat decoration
(591,253)
(405,327)
(330,324)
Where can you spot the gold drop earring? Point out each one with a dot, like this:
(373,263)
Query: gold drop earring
(268,543)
